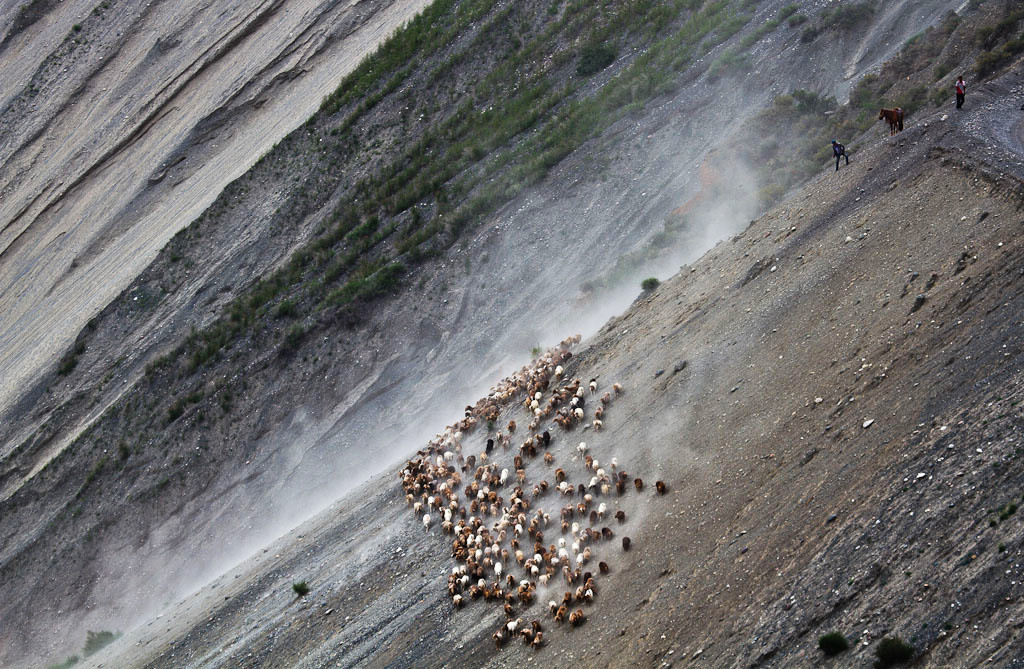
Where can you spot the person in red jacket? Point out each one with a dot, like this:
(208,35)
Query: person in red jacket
(961,91)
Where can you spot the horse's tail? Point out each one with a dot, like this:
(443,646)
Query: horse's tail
(901,122)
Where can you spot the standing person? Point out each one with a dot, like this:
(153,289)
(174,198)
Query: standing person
(839,151)
(961,91)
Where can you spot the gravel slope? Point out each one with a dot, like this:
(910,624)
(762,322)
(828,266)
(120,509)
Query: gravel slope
(891,291)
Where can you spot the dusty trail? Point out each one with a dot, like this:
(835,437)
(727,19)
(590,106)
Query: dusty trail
(140,127)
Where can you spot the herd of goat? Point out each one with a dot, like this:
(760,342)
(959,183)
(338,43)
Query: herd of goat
(499,524)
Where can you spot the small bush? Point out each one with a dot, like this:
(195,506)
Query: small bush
(594,58)
(849,16)
(293,337)
(301,588)
(97,641)
(833,643)
(891,651)
(286,309)
(810,34)
(650,283)
(71,661)
(796,20)
(942,69)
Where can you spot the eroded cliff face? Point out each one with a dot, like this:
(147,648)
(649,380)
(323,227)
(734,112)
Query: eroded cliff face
(303,426)
(121,122)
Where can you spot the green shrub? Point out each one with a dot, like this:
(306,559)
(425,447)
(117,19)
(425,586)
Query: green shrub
(847,16)
(286,309)
(293,337)
(942,69)
(833,643)
(97,641)
(71,661)
(301,588)
(989,36)
(891,651)
(594,58)
(796,20)
(650,283)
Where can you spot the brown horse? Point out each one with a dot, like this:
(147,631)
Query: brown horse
(894,117)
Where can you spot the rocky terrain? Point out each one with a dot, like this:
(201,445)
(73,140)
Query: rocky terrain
(880,311)
(143,467)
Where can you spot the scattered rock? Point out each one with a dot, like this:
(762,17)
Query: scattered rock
(659,373)
(680,366)
(866,424)
(919,302)
(832,518)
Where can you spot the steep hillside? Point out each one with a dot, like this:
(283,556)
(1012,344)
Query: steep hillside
(450,212)
(832,397)
(122,121)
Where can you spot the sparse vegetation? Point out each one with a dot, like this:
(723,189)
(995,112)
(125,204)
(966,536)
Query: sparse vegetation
(833,643)
(300,588)
(70,361)
(892,650)
(649,284)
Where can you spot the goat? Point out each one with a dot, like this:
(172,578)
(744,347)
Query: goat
(603,567)
(593,386)
(577,618)
(625,543)
(620,516)
(661,487)
(511,426)
(639,483)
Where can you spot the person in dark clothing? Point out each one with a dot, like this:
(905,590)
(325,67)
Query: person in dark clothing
(839,151)
(961,91)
